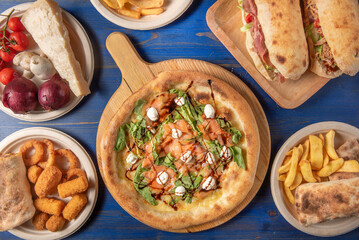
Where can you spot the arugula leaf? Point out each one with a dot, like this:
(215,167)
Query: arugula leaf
(166,161)
(121,139)
(187,182)
(214,147)
(187,111)
(197,181)
(223,123)
(236,135)
(139,131)
(188,199)
(137,110)
(141,187)
(237,156)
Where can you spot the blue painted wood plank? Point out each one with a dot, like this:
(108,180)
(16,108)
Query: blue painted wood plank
(188,37)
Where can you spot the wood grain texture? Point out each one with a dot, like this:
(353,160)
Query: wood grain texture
(137,72)
(187,37)
(224,18)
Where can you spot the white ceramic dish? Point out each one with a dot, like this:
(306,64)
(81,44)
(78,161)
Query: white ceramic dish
(13,142)
(82,48)
(173,10)
(335,227)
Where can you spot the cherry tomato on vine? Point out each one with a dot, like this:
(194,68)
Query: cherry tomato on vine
(7,54)
(7,75)
(2,64)
(18,41)
(15,24)
(7,34)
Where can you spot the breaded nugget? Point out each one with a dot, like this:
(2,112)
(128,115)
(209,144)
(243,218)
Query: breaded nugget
(39,221)
(51,206)
(48,181)
(33,173)
(74,206)
(72,187)
(42,164)
(55,223)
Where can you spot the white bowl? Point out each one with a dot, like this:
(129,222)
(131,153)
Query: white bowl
(173,10)
(335,227)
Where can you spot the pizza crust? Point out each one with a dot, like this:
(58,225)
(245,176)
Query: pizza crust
(236,182)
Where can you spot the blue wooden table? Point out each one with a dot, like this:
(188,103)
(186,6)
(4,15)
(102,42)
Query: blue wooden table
(188,37)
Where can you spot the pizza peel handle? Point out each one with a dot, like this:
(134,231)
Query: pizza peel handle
(135,71)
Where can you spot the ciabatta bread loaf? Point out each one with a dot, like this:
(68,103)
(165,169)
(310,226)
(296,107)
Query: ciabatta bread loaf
(43,20)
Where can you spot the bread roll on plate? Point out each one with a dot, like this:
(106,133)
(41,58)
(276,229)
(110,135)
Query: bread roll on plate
(275,38)
(43,20)
(332,29)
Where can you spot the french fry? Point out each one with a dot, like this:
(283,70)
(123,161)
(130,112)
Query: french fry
(332,167)
(315,175)
(121,3)
(282,177)
(349,166)
(329,144)
(112,4)
(289,153)
(305,150)
(129,13)
(293,168)
(147,4)
(306,171)
(326,158)
(151,11)
(297,181)
(289,194)
(286,165)
(321,137)
(316,152)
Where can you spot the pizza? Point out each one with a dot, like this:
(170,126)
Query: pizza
(181,151)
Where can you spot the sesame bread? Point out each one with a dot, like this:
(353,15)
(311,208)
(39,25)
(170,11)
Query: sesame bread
(43,20)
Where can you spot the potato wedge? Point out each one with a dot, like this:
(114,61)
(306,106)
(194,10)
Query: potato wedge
(349,166)
(129,13)
(297,181)
(151,11)
(332,167)
(316,152)
(285,166)
(329,144)
(306,171)
(289,194)
(326,158)
(293,168)
(112,4)
(147,3)
(122,3)
(282,177)
(305,150)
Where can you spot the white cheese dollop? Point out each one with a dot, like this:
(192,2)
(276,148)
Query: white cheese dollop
(186,157)
(176,133)
(162,177)
(225,153)
(152,114)
(209,183)
(180,191)
(131,158)
(209,111)
(210,158)
(180,101)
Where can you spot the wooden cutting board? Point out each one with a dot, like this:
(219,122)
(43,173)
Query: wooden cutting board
(136,72)
(224,18)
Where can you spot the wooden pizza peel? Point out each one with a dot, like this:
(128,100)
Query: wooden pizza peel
(136,72)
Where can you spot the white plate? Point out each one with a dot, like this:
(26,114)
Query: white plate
(335,227)
(82,48)
(13,142)
(173,10)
